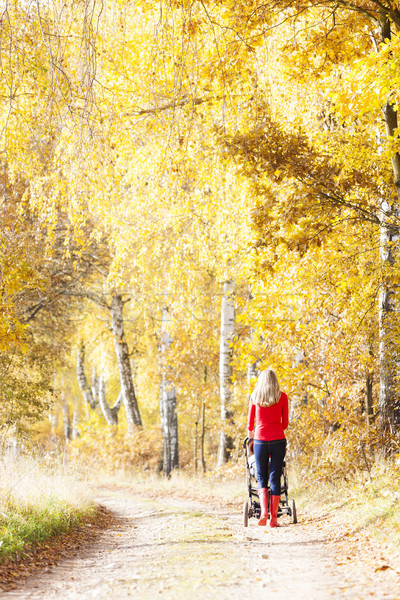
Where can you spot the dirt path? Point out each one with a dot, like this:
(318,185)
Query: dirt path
(179,549)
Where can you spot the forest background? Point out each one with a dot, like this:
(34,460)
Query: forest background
(191,192)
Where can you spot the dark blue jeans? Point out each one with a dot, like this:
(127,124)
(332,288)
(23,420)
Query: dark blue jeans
(269,457)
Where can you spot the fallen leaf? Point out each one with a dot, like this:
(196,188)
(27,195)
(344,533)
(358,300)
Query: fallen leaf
(382,568)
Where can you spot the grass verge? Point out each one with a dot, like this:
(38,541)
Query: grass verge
(367,502)
(38,501)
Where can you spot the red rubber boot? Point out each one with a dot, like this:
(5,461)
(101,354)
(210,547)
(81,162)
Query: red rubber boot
(263,495)
(274,511)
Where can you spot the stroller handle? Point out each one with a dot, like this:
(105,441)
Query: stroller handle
(247,441)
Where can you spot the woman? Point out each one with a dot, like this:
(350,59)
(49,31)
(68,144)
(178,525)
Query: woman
(269,407)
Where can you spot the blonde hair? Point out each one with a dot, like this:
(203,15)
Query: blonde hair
(267,391)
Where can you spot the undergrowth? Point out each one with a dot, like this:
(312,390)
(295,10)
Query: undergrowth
(37,501)
(226,485)
(367,501)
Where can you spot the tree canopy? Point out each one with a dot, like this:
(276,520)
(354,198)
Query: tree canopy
(153,153)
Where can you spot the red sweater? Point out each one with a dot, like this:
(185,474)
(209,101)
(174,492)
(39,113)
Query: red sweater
(271,421)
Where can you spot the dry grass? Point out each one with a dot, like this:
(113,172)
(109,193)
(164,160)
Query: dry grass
(38,499)
(223,487)
(366,501)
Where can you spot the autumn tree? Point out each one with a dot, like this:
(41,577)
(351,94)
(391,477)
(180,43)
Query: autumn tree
(136,122)
(38,268)
(305,164)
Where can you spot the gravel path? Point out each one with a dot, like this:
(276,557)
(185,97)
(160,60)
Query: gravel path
(179,549)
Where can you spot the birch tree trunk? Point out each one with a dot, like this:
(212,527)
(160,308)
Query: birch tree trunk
(124,364)
(82,380)
(388,396)
(110,414)
(251,372)
(369,411)
(196,439)
(225,368)
(66,419)
(169,418)
(75,419)
(95,386)
(251,367)
(202,432)
(389,408)
(53,417)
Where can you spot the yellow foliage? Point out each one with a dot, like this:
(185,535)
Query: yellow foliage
(110,450)
(204,142)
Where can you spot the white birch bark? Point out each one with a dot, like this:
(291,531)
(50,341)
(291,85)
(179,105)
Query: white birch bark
(389,406)
(202,434)
(124,364)
(75,419)
(251,373)
(53,418)
(95,386)
(82,380)
(169,418)
(251,367)
(369,410)
(66,418)
(225,366)
(110,413)
(389,409)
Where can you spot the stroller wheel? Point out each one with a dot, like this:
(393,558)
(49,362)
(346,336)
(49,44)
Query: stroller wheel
(293,511)
(245,514)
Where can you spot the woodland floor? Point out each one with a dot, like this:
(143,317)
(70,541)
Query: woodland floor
(170,547)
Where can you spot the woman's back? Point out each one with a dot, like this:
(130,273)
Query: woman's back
(271,421)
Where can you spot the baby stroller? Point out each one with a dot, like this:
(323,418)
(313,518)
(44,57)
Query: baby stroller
(251,507)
